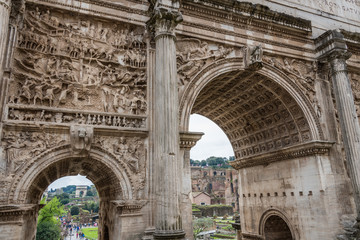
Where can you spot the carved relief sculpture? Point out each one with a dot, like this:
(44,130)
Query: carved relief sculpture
(22,146)
(193,54)
(76,63)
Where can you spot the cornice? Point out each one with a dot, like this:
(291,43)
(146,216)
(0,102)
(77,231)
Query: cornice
(189,139)
(246,36)
(352,40)
(106,5)
(302,150)
(247,14)
(18,210)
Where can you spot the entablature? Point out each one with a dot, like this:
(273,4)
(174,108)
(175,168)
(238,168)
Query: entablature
(301,150)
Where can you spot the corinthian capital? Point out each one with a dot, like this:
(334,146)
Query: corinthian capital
(339,54)
(164,20)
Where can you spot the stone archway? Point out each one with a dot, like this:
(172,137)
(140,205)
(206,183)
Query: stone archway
(277,229)
(110,176)
(269,119)
(274,225)
(235,68)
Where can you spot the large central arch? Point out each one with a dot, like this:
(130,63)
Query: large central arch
(231,96)
(273,125)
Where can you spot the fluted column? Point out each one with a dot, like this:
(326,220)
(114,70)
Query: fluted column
(187,141)
(166,125)
(348,118)
(4,26)
(336,55)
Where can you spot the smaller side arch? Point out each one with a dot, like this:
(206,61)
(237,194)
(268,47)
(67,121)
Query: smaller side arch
(276,213)
(59,162)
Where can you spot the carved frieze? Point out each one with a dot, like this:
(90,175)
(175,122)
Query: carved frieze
(20,147)
(21,114)
(70,61)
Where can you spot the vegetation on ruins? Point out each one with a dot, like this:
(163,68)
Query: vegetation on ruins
(201,224)
(214,162)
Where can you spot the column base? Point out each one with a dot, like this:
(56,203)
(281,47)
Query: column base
(170,234)
(149,232)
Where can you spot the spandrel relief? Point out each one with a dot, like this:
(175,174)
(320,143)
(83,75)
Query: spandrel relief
(67,61)
(129,150)
(302,73)
(20,147)
(193,54)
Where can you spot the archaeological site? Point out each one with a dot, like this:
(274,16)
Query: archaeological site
(105,89)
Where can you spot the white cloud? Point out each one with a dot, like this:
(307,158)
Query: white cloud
(213,143)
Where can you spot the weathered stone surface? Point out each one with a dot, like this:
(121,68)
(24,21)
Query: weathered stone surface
(106,88)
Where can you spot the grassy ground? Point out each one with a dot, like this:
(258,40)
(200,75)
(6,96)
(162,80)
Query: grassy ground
(91,233)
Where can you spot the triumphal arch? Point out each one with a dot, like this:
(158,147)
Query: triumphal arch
(105,88)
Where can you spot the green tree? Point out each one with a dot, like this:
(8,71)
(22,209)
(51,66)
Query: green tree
(201,224)
(203,163)
(69,189)
(48,226)
(74,210)
(48,230)
(64,201)
(50,210)
(89,193)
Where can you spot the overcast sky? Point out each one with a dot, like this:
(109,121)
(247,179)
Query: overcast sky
(213,143)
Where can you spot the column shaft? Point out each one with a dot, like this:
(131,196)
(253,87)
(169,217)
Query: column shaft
(4,27)
(166,126)
(348,120)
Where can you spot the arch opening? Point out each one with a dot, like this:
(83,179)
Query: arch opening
(264,114)
(104,179)
(108,174)
(276,228)
(256,113)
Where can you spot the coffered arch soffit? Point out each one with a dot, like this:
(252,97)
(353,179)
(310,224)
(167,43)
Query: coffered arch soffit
(260,111)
